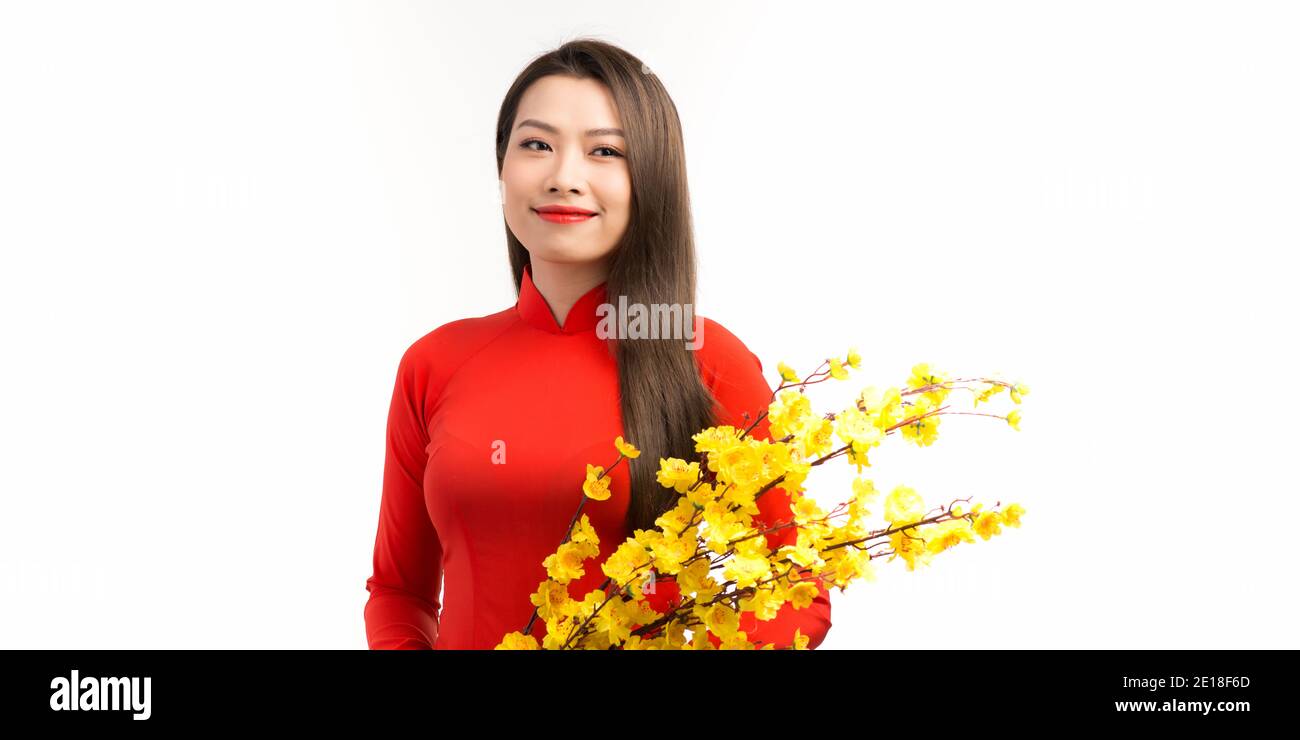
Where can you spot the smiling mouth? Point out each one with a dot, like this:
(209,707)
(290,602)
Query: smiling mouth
(563,217)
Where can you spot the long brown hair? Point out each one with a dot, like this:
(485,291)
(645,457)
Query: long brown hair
(663,400)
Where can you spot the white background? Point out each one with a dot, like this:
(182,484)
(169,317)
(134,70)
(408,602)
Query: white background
(222,223)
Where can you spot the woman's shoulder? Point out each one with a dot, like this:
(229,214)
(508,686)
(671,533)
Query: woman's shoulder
(720,351)
(441,349)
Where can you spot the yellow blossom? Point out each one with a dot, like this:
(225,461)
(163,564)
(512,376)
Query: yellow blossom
(837,369)
(695,579)
(566,563)
(948,534)
(857,428)
(626,448)
(788,413)
(550,598)
(923,430)
(804,556)
(1013,419)
(765,603)
(746,570)
(864,492)
(787,373)
(903,505)
(795,476)
(989,392)
(557,631)
(815,439)
(741,499)
(518,641)
(596,486)
(847,564)
(910,547)
(858,459)
(627,561)
(584,532)
(677,473)
(854,359)
(677,518)
(805,509)
(884,405)
(1011,515)
(637,642)
(741,464)
(776,457)
(923,375)
(617,620)
(723,526)
(1018,390)
(802,594)
(800,639)
(701,495)
(670,551)
(737,641)
(715,439)
(988,524)
(720,619)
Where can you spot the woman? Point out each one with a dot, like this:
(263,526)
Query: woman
(494,418)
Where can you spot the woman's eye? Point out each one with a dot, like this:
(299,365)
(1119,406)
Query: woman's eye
(613,152)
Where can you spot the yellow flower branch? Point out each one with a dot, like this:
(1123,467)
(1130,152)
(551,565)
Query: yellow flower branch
(719,495)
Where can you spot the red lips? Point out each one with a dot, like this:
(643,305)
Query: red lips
(564,214)
(567,210)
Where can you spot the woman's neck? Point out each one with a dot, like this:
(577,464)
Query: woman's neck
(563,283)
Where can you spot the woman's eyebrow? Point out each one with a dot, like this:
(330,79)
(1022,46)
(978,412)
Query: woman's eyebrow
(551,129)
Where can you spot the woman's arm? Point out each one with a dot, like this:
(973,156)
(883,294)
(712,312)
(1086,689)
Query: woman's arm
(403,607)
(735,376)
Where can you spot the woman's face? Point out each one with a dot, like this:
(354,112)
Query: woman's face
(562,153)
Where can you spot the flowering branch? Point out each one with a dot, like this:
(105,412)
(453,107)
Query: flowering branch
(714,516)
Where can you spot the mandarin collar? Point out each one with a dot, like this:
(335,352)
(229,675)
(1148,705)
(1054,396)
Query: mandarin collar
(534,310)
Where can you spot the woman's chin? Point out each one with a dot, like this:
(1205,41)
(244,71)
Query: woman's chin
(567,253)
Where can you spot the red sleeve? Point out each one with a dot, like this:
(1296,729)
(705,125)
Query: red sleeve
(403,607)
(735,376)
